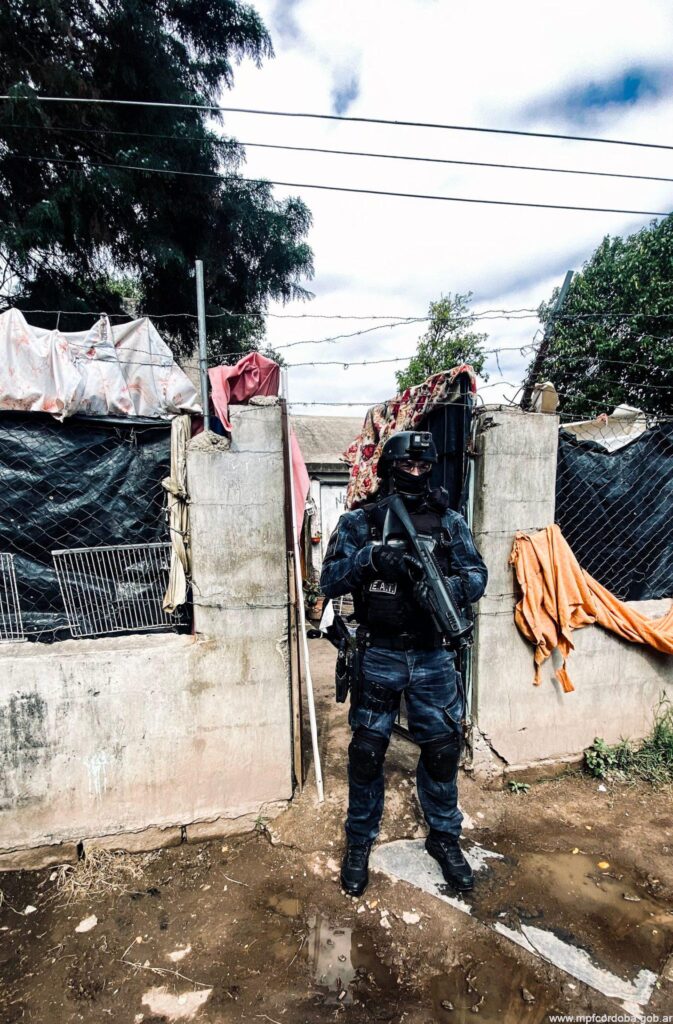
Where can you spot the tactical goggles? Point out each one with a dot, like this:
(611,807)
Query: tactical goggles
(413,466)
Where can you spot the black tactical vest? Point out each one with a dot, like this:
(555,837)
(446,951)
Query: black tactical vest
(388,609)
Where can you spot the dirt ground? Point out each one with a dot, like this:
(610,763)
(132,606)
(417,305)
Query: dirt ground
(255,928)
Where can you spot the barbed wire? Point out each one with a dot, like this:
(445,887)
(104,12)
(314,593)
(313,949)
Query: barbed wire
(521,313)
(495,314)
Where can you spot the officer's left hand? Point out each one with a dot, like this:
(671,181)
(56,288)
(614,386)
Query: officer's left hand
(414,568)
(421,592)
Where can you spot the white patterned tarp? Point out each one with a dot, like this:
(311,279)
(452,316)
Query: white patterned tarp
(125,370)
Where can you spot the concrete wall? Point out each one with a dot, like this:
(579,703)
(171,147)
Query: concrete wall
(617,683)
(157,732)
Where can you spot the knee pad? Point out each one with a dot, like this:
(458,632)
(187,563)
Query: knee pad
(366,754)
(440,756)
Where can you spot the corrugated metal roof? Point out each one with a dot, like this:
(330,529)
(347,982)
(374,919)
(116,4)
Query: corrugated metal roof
(322,439)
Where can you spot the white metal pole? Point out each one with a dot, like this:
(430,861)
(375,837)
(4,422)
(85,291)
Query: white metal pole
(203,357)
(302,614)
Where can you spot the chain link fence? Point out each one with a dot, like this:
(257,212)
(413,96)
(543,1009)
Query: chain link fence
(84,540)
(614,497)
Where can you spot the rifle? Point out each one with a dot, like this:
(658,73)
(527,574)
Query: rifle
(430,588)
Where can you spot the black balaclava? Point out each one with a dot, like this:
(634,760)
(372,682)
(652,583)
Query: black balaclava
(412,489)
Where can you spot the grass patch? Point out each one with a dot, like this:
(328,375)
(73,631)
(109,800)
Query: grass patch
(650,761)
(100,873)
(518,787)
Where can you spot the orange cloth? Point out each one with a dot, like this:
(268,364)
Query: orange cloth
(558,596)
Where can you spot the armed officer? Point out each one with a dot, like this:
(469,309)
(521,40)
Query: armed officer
(404,653)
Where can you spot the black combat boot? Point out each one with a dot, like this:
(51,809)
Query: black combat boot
(354,873)
(448,854)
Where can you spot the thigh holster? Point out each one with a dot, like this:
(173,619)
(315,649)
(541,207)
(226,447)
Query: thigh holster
(366,754)
(379,699)
(440,756)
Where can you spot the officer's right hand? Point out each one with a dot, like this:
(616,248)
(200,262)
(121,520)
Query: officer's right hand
(390,563)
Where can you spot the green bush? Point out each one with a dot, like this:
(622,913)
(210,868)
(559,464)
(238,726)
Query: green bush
(652,761)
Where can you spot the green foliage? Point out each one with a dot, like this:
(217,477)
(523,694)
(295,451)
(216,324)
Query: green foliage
(521,788)
(74,234)
(447,342)
(598,358)
(312,593)
(602,760)
(652,761)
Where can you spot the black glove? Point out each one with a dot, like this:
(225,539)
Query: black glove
(394,565)
(422,596)
(421,592)
(454,585)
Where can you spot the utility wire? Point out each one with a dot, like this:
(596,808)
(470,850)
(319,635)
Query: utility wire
(217,108)
(336,188)
(348,152)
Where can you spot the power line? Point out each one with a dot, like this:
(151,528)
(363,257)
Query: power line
(348,152)
(217,108)
(336,188)
(459,163)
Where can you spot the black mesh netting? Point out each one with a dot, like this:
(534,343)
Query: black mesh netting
(614,509)
(77,484)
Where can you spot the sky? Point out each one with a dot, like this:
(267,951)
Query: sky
(582,68)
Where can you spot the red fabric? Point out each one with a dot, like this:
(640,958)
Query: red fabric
(254,374)
(404,412)
(300,480)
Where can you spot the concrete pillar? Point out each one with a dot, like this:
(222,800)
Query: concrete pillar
(515,485)
(237,522)
(240,587)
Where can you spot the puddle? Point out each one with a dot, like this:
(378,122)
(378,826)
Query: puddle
(560,907)
(601,910)
(344,963)
(491,985)
(288,906)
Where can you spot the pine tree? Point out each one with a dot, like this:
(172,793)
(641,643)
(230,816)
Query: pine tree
(76,232)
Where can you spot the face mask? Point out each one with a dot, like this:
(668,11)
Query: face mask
(409,484)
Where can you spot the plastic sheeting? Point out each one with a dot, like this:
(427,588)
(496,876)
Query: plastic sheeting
(254,374)
(302,482)
(615,431)
(70,485)
(178,514)
(124,370)
(614,509)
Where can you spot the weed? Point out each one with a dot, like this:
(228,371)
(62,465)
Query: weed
(100,873)
(651,761)
(518,787)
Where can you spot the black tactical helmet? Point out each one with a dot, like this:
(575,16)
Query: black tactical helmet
(407,444)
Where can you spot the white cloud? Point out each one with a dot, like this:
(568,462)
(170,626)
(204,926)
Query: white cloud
(485,63)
